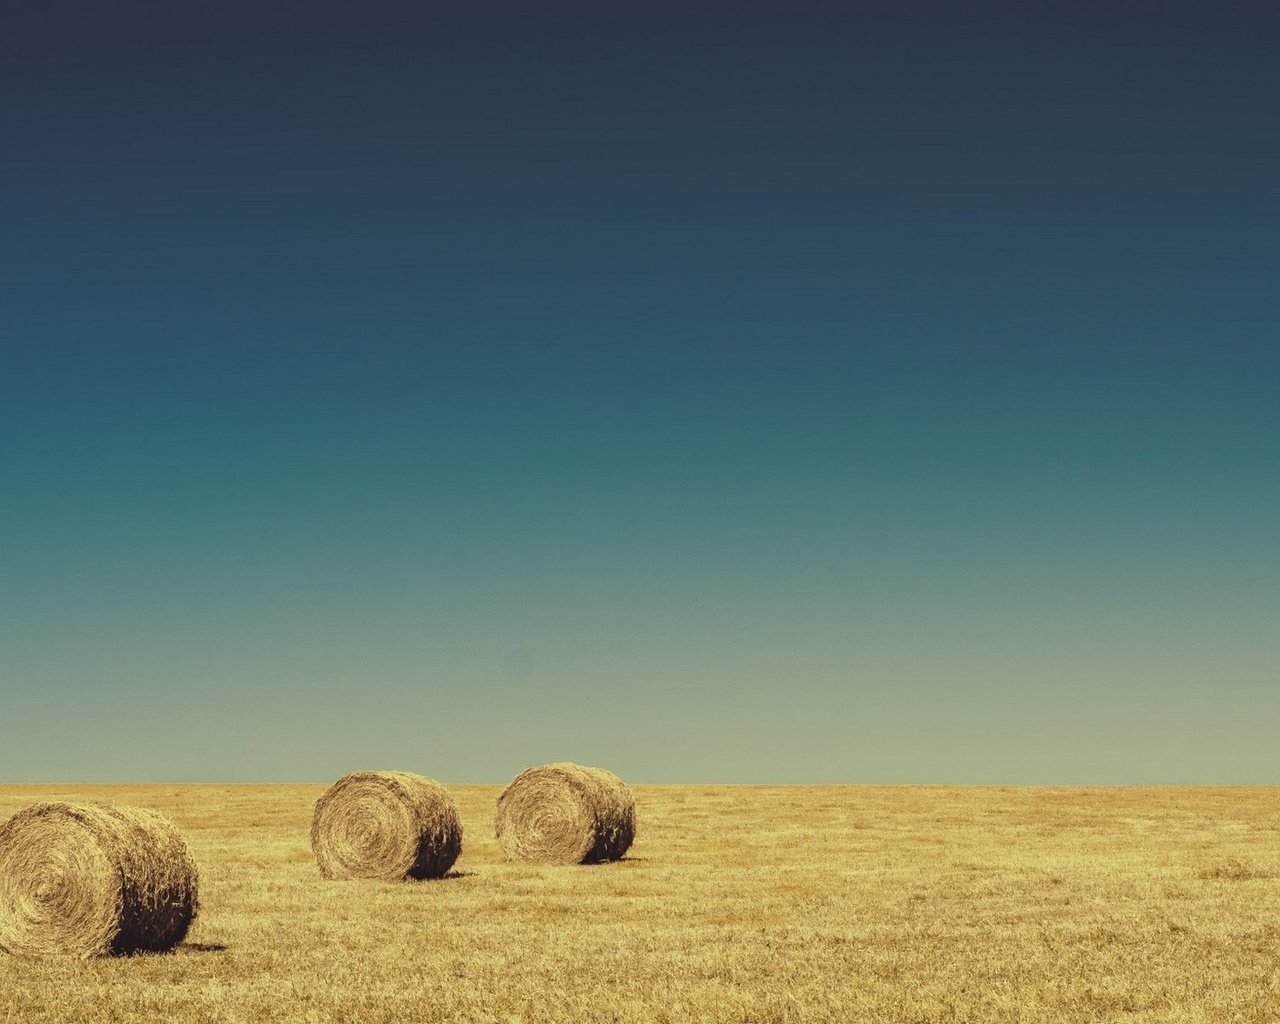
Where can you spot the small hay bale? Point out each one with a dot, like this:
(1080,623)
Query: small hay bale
(90,879)
(385,825)
(566,814)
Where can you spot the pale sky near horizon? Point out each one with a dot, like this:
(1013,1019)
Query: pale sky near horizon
(861,393)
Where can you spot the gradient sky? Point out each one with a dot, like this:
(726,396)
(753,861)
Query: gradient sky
(767,392)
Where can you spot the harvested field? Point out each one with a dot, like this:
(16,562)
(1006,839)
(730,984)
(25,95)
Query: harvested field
(765,904)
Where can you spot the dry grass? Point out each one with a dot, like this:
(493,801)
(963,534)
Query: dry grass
(892,905)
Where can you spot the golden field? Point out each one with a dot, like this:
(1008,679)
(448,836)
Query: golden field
(737,903)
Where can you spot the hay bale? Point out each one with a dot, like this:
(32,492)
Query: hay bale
(386,825)
(89,879)
(566,814)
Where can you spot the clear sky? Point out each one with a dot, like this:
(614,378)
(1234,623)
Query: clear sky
(759,392)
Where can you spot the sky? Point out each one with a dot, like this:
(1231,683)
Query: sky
(866,393)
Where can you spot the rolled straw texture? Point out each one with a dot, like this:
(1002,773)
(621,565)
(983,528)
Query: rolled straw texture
(385,825)
(566,814)
(89,879)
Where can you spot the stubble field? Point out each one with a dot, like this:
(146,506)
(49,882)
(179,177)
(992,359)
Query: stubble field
(745,904)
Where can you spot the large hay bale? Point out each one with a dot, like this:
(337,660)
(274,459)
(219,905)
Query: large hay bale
(386,825)
(566,814)
(89,879)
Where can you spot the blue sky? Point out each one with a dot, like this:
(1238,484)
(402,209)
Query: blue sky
(862,393)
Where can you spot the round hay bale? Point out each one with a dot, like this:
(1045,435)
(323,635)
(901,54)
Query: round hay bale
(566,814)
(385,825)
(89,879)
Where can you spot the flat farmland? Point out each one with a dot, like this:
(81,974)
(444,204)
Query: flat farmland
(736,904)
